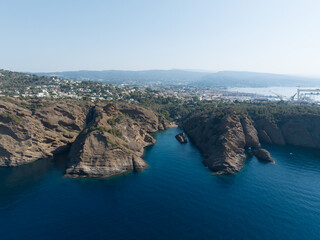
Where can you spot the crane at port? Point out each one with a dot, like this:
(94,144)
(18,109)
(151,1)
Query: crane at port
(292,97)
(278,95)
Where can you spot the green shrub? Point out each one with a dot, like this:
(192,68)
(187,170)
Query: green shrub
(93,128)
(12,117)
(115,132)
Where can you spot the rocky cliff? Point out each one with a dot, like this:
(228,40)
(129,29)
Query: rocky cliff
(223,138)
(112,142)
(26,136)
(109,139)
(298,130)
(102,140)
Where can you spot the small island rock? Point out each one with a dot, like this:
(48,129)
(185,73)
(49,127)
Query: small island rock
(263,155)
(181,137)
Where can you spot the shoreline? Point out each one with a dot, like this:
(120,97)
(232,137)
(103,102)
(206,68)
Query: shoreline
(173,125)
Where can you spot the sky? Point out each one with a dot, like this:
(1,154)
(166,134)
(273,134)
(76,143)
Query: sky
(276,36)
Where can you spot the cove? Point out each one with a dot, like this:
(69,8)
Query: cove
(175,198)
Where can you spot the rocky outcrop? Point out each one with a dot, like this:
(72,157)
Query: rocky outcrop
(102,140)
(26,136)
(301,130)
(163,123)
(269,132)
(147,119)
(250,132)
(223,138)
(112,143)
(263,155)
(181,137)
(107,140)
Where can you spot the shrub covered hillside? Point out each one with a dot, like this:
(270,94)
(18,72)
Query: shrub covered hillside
(15,81)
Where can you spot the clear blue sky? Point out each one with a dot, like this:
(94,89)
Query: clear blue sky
(279,36)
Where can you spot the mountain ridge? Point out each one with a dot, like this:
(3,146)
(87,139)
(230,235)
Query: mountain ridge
(188,77)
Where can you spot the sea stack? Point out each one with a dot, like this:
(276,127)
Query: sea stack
(263,155)
(181,137)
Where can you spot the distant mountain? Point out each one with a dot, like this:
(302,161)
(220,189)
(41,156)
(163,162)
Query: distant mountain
(192,78)
(132,77)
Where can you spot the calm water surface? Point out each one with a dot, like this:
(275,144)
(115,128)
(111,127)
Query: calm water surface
(285,92)
(175,198)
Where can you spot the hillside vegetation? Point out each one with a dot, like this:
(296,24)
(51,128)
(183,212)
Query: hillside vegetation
(16,80)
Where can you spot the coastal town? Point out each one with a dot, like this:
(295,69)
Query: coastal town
(54,87)
(24,85)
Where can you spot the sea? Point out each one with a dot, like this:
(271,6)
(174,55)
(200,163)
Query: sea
(284,93)
(175,198)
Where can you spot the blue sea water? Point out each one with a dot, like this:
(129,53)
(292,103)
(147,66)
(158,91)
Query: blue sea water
(175,198)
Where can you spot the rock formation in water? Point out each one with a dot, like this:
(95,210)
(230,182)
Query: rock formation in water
(181,137)
(223,136)
(263,155)
(222,139)
(112,142)
(106,140)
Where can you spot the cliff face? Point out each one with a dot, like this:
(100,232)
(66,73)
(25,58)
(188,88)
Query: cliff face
(109,139)
(105,140)
(250,132)
(222,139)
(112,142)
(26,136)
(269,132)
(147,119)
(297,130)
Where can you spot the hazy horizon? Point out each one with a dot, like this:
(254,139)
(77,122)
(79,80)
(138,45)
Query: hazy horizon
(176,69)
(173,69)
(245,35)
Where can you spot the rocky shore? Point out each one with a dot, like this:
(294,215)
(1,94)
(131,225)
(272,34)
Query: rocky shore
(26,135)
(102,140)
(112,142)
(222,140)
(225,137)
